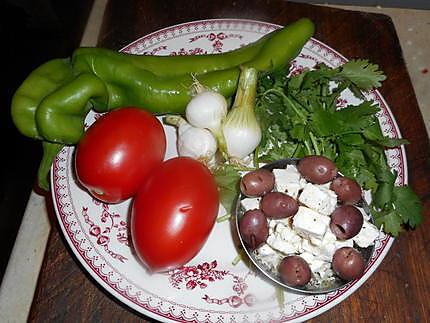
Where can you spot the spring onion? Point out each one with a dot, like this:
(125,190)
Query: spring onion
(241,131)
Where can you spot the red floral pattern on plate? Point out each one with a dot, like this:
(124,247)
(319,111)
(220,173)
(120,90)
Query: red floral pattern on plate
(206,273)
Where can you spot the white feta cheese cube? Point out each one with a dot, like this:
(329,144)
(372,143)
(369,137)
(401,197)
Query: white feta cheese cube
(288,180)
(309,223)
(367,235)
(250,203)
(318,198)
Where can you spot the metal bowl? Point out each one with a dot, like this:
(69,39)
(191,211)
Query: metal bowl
(311,287)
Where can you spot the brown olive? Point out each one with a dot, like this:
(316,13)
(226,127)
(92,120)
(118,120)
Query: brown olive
(348,191)
(257,183)
(348,263)
(294,271)
(253,228)
(346,221)
(277,205)
(317,169)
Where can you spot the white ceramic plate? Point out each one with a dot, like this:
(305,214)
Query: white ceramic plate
(209,288)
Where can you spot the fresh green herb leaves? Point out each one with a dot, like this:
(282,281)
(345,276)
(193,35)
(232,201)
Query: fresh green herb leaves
(227,178)
(362,74)
(408,205)
(299,116)
(403,207)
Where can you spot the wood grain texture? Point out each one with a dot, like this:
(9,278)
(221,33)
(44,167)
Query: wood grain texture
(399,291)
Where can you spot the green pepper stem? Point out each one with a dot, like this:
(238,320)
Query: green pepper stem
(50,151)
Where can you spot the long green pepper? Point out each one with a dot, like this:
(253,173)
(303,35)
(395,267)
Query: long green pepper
(53,101)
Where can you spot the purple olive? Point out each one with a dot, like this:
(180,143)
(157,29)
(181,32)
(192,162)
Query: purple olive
(277,205)
(253,228)
(348,263)
(317,169)
(346,222)
(257,183)
(348,191)
(294,271)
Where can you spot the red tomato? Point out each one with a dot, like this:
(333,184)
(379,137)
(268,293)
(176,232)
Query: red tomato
(173,213)
(118,151)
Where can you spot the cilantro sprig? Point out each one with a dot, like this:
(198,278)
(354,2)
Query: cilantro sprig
(299,116)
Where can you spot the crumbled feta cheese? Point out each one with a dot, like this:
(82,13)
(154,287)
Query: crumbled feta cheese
(309,223)
(274,222)
(288,180)
(307,246)
(322,249)
(325,272)
(276,242)
(367,235)
(268,257)
(316,265)
(284,239)
(315,241)
(307,256)
(344,243)
(320,266)
(318,198)
(265,250)
(288,234)
(250,203)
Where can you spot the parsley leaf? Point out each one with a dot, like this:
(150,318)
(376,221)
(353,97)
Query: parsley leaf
(362,74)
(408,204)
(389,220)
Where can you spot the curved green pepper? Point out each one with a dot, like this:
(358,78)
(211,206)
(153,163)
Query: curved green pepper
(128,84)
(53,101)
(43,81)
(168,66)
(61,114)
(282,47)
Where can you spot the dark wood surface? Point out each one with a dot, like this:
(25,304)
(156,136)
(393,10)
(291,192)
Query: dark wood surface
(399,291)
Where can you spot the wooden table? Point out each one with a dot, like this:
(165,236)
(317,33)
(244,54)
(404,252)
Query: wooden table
(399,291)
